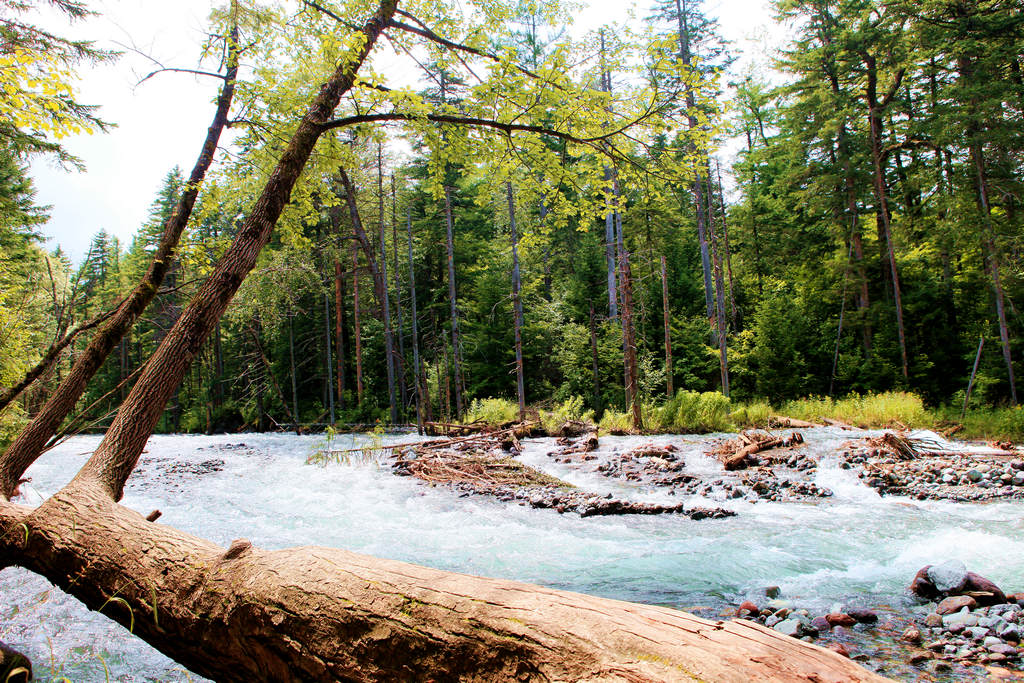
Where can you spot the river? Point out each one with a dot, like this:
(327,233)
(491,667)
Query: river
(854,548)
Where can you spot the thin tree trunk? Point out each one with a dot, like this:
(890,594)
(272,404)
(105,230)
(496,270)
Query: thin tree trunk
(291,362)
(330,369)
(456,341)
(417,369)
(517,305)
(698,192)
(628,328)
(725,246)
(668,331)
(31,441)
(598,403)
(339,328)
(721,327)
(357,323)
(389,342)
(400,334)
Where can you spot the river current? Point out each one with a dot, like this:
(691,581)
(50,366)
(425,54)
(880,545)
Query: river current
(855,548)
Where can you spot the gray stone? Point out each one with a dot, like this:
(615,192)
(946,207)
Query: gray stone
(990,641)
(772,620)
(790,627)
(1018,479)
(1010,632)
(1004,649)
(949,576)
(976,632)
(963,618)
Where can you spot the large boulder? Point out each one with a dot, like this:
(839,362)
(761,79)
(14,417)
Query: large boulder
(948,577)
(922,586)
(983,590)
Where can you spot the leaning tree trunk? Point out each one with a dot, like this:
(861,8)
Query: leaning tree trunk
(31,441)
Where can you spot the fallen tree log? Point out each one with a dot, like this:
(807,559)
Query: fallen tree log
(320,614)
(780,421)
(737,453)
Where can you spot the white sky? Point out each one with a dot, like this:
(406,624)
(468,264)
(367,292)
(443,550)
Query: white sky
(162,122)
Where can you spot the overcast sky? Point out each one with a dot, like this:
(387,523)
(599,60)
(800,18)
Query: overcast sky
(162,122)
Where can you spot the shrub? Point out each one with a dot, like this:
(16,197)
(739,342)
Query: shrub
(492,411)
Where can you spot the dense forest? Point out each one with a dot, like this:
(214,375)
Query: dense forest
(866,237)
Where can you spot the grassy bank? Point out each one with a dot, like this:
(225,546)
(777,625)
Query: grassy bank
(699,413)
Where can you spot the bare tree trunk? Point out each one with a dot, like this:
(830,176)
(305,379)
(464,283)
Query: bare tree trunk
(668,331)
(339,327)
(517,305)
(400,334)
(291,361)
(595,367)
(417,369)
(628,328)
(321,614)
(456,341)
(721,327)
(725,246)
(329,377)
(389,342)
(31,441)
(357,323)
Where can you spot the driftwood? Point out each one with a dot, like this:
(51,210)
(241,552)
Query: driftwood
(905,448)
(780,421)
(837,423)
(737,453)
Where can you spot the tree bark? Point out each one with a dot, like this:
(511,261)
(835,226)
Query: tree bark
(668,330)
(517,305)
(389,342)
(357,324)
(417,369)
(31,441)
(721,327)
(456,341)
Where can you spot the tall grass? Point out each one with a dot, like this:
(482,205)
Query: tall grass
(571,410)
(867,410)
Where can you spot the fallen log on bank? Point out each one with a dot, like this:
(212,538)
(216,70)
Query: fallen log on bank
(782,422)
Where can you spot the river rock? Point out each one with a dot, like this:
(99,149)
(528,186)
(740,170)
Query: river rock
(955,603)
(1004,649)
(840,619)
(1010,632)
(748,606)
(864,616)
(963,618)
(975,583)
(821,623)
(976,632)
(790,627)
(771,592)
(840,648)
(933,620)
(948,577)
(922,586)
(911,635)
